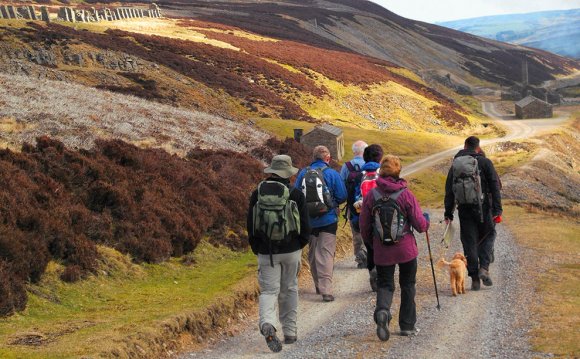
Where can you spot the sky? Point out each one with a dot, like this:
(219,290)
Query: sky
(445,10)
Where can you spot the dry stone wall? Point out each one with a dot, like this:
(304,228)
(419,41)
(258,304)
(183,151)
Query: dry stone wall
(70,14)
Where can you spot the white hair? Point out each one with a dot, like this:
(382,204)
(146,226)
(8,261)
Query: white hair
(358,148)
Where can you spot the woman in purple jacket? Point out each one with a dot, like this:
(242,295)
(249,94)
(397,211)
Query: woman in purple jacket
(404,253)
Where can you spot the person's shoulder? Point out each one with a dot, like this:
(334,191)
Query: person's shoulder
(484,161)
(296,193)
(330,171)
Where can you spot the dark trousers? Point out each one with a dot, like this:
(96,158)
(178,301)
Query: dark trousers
(477,238)
(386,288)
(370,258)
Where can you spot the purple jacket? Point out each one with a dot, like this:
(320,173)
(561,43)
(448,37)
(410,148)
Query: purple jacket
(406,250)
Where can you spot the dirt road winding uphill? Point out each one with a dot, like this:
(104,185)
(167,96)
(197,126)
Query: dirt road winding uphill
(489,323)
(517,129)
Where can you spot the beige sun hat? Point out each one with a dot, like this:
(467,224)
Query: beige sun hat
(282,166)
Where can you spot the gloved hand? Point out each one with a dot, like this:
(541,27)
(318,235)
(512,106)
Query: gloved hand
(497,219)
(427,218)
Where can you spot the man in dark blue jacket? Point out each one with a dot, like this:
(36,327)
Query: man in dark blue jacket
(324,226)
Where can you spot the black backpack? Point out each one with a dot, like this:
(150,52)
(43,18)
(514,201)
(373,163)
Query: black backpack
(353,181)
(318,197)
(388,219)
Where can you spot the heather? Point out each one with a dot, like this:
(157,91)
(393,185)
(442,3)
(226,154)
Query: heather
(58,204)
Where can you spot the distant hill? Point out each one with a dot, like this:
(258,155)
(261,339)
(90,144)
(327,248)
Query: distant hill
(369,29)
(554,31)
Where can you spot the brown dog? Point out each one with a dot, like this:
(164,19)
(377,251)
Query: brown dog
(457,269)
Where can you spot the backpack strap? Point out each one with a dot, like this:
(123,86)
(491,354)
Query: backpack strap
(349,166)
(395,195)
(377,195)
(352,167)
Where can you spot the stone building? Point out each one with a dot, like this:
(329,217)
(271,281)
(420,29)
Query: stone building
(533,107)
(325,135)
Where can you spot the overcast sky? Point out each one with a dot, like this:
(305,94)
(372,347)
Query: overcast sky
(444,10)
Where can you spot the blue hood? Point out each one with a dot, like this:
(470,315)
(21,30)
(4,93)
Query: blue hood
(371,166)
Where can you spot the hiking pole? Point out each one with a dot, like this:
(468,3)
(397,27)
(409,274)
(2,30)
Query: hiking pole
(433,270)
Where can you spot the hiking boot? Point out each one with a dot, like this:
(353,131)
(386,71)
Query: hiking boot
(269,332)
(289,339)
(383,318)
(475,284)
(361,260)
(373,279)
(409,332)
(327,298)
(485,278)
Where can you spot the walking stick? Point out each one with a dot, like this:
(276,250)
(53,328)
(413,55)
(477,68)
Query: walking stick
(433,270)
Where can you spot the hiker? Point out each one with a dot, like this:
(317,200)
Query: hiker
(372,156)
(324,191)
(351,173)
(389,213)
(473,184)
(278,229)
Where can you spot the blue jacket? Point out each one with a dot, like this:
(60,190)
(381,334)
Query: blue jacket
(335,186)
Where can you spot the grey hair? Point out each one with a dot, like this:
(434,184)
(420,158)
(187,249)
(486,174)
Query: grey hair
(320,153)
(358,147)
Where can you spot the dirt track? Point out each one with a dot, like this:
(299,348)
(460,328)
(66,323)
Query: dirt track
(489,323)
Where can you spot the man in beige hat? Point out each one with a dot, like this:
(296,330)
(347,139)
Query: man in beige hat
(278,229)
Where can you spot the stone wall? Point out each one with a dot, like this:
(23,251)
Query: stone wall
(70,14)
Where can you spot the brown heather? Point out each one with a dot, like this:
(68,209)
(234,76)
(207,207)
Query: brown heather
(57,204)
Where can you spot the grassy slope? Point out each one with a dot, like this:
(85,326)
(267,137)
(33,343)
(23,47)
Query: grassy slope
(97,314)
(558,282)
(410,146)
(386,104)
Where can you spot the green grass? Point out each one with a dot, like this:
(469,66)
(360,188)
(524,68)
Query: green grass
(91,316)
(558,279)
(429,187)
(410,146)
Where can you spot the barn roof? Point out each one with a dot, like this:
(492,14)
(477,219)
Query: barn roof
(528,100)
(336,131)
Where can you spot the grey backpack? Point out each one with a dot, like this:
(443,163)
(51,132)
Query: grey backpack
(467,181)
(388,219)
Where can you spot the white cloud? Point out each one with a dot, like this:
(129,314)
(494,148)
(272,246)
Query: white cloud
(443,10)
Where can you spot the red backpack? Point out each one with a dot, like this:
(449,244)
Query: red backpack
(369,181)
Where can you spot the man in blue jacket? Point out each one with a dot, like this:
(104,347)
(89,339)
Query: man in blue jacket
(324,191)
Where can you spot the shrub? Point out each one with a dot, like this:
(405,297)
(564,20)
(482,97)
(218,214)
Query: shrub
(71,274)
(57,203)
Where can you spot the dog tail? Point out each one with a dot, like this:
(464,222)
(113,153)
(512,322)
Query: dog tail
(442,263)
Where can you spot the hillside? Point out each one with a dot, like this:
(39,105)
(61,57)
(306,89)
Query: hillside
(231,73)
(367,28)
(554,31)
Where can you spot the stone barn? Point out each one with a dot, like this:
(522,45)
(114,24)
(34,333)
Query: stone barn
(326,135)
(533,107)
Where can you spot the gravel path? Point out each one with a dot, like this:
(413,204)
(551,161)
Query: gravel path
(491,323)
(485,324)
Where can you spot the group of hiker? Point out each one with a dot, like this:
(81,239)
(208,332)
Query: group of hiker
(383,214)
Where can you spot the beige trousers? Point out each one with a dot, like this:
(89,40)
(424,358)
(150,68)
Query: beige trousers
(321,259)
